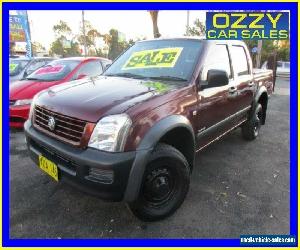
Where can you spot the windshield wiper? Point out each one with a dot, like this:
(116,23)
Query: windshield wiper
(35,79)
(129,75)
(32,78)
(169,78)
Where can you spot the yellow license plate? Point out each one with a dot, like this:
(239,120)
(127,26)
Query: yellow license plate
(49,167)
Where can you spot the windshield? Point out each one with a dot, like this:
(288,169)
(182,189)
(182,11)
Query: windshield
(158,59)
(54,71)
(16,66)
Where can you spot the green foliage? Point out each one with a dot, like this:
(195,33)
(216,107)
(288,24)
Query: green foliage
(58,49)
(36,48)
(282,48)
(283,54)
(115,46)
(90,37)
(62,31)
(198,29)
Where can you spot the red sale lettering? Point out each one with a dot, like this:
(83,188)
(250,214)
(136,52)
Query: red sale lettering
(50,69)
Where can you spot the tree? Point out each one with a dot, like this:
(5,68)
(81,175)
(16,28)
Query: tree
(90,38)
(282,48)
(115,44)
(57,48)
(197,30)
(62,29)
(62,46)
(131,42)
(154,16)
(81,38)
(36,48)
(115,49)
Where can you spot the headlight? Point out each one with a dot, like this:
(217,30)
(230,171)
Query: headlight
(32,107)
(110,133)
(23,102)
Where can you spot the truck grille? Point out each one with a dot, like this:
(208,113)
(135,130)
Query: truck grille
(66,128)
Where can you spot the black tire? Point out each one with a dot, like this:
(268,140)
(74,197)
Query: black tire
(251,127)
(165,184)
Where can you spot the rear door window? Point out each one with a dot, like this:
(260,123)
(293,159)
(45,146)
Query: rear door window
(240,60)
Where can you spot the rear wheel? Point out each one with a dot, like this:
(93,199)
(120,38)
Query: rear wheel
(251,127)
(165,184)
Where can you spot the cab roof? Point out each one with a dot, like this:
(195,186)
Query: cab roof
(195,38)
(81,58)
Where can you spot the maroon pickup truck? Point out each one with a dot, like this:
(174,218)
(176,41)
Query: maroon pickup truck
(132,134)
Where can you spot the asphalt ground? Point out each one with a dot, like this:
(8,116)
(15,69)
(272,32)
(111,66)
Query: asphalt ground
(237,187)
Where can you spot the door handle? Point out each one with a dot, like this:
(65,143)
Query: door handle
(232,90)
(250,84)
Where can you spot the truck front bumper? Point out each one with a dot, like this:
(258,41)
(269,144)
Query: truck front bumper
(98,173)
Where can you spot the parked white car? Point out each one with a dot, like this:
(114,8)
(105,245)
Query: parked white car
(283,68)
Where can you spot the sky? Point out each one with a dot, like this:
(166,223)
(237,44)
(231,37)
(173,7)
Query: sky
(134,24)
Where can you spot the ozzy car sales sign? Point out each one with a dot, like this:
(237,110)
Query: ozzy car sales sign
(247,25)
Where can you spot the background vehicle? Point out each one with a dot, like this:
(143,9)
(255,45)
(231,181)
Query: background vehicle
(54,73)
(21,67)
(132,134)
(283,68)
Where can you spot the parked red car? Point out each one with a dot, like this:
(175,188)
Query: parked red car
(54,73)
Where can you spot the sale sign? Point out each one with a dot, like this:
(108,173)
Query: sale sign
(19,30)
(50,70)
(16,30)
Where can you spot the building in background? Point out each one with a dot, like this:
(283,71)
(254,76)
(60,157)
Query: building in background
(19,32)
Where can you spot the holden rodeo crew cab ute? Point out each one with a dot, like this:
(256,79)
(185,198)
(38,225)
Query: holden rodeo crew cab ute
(132,133)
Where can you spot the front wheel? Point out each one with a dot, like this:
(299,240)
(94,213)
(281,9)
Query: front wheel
(165,184)
(251,127)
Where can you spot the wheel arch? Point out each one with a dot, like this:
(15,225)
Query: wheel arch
(163,131)
(261,97)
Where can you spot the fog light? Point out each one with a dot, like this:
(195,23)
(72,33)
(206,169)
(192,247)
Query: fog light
(101,175)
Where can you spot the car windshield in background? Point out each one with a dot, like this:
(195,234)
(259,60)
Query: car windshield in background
(54,71)
(172,60)
(279,64)
(16,66)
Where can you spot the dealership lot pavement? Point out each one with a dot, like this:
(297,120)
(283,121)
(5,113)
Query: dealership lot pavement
(237,187)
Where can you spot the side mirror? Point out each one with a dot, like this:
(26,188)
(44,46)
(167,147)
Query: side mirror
(26,73)
(80,76)
(217,78)
(107,66)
